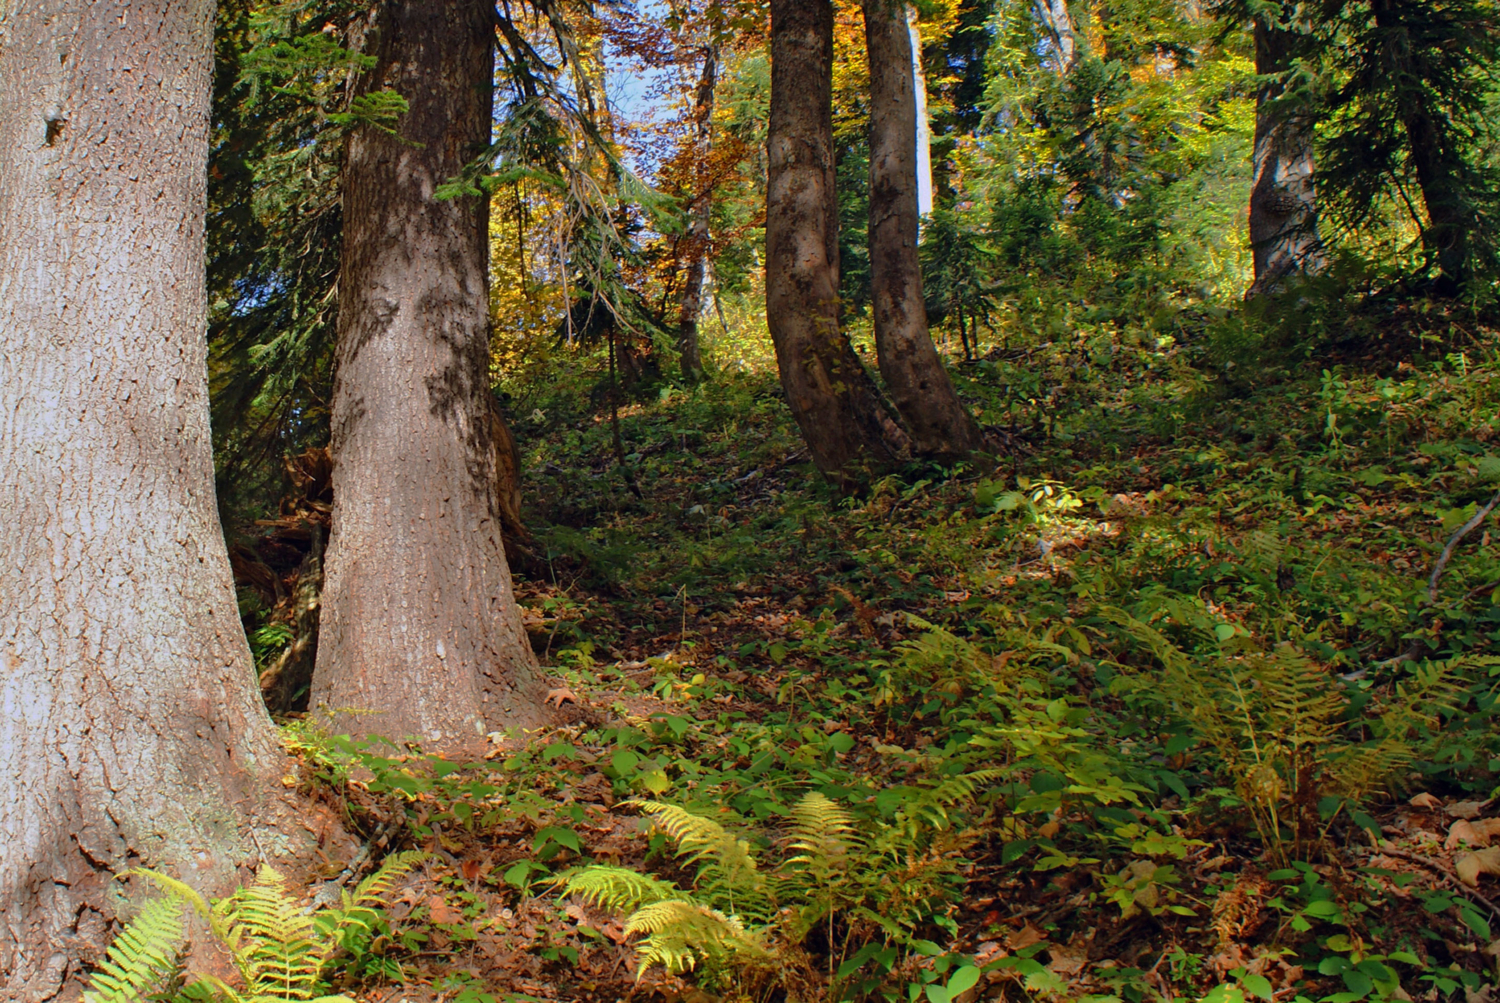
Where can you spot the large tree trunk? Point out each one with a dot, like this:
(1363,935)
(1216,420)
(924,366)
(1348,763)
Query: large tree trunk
(914,375)
(420,625)
(690,305)
(1284,238)
(130,728)
(833,399)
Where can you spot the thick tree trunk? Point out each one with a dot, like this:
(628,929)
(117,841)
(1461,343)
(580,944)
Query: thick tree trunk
(1284,238)
(130,728)
(914,375)
(420,625)
(832,397)
(690,305)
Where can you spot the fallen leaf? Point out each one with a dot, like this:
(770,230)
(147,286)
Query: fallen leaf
(1065,962)
(470,869)
(1048,829)
(1479,832)
(441,912)
(1469,866)
(1466,809)
(1024,937)
(1425,800)
(560,696)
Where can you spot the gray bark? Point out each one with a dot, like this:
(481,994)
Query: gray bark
(130,728)
(918,384)
(1284,238)
(420,625)
(1058,23)
(835,403)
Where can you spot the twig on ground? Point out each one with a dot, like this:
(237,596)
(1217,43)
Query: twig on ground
(1442,868)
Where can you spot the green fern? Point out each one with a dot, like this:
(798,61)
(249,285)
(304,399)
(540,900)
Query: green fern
(275,944)
(141,957)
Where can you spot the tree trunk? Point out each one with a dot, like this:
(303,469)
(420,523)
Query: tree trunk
(1058,23)
(420,625)
(914,375)
(130,728)
(1284,238)
(832,397)
(1446,235)
(696,245)
(924,123)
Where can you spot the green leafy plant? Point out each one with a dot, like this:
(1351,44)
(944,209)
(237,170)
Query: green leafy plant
(281,950)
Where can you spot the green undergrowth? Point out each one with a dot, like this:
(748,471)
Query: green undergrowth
(1158,705)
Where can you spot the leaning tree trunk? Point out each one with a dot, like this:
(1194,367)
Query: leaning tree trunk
(1284,238)
(832,397)
(420,625)
(130,728)
(696,244)
(914,375)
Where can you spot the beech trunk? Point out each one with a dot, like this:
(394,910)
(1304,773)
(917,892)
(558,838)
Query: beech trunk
(1284,238)
(130,727)
(421,636)
(833,399)
(914,375)
(696,244)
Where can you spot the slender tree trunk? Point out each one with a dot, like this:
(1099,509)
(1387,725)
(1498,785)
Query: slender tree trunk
(130,727)
(1058,23)
(832,397)
(690,305)
(924,125)
(1446,235)
(1284,238)
(914,375)
(419,621)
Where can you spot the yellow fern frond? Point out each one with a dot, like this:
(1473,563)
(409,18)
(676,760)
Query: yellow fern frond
(281,955)
(374,889)
(618,889)
(679,933)
(141,956)
(727,873)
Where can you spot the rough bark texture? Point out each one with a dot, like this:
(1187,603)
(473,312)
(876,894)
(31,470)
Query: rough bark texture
(420,626)
(914,375)
(690,305)
(130,728)
(1283,209)
(831,396)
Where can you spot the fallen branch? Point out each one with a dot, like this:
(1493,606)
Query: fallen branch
(1450,878)
(1463,531)
(1419,646)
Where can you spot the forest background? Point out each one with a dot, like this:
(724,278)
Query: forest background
(1139,647)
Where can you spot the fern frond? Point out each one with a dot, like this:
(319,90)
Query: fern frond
(727,873)
(143,954)
(374,889)
(618,889)
(281,956)
(680,932)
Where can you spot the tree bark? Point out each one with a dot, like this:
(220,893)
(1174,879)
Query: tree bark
(914,375)
(420,625)
(1058,22)
(690,305)
(833,399)
(130,728)
(1284,239)
(1447,233)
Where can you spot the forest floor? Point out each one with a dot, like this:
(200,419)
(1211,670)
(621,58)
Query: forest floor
(1155,705)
